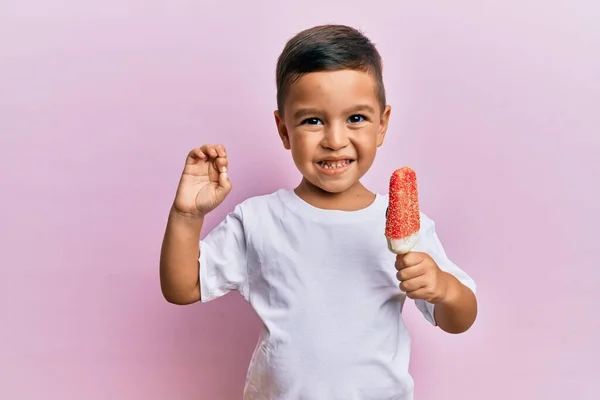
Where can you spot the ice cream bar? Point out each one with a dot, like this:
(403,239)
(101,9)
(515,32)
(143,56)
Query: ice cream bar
(403,218)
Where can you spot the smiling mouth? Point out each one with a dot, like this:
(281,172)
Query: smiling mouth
(334,164)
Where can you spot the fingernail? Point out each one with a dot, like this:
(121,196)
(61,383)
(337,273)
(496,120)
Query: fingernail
(224,175)
(224,169)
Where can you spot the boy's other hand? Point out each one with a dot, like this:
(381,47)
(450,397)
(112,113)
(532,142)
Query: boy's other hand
(421,278)
(204,183)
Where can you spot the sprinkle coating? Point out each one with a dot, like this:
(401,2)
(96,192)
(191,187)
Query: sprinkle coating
(403,218)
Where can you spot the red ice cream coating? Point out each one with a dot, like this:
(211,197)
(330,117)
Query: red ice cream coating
(403,218)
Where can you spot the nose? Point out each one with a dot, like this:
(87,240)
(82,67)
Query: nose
(335,137)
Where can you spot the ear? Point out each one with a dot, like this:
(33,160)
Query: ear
(282,129)
(383,124)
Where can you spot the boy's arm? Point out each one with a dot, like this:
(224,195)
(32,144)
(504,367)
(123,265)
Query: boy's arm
(179,265)
(457,311)
(203,186)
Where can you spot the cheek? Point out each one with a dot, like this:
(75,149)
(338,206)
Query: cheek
(298,155)
(366,159)
(303,145)
(367,145)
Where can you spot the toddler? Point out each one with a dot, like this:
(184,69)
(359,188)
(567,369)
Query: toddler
(313,262)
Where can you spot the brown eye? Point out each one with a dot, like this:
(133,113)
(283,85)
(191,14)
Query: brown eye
(354,119)
(311,121)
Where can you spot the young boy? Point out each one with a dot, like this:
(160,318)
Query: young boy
(313,262)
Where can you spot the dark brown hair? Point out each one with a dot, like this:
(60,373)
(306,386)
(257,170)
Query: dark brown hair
(327,48)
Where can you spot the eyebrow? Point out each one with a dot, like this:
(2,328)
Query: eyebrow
(302,112)
(361,107)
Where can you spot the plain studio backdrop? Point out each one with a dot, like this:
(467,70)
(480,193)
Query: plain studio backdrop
(496,105)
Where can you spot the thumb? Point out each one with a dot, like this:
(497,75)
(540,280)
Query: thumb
(224,183)
(400,262)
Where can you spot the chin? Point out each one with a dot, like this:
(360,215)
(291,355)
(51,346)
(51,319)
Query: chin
(335,187)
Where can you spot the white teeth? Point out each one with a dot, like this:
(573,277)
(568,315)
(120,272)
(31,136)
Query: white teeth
(334,164)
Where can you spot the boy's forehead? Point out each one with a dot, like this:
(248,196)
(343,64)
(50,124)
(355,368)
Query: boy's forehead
(332,90)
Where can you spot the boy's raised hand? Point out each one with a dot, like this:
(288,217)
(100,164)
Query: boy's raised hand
(204,183)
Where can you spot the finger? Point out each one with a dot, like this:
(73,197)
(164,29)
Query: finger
(422,293)
(405,274)
(413,284)
(408,260)
(210,150)
(405,261)
(195,155)
(221,150)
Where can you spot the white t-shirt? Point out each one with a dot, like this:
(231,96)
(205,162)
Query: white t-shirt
(324,284)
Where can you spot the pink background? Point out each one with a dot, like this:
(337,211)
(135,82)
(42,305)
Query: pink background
(497,107)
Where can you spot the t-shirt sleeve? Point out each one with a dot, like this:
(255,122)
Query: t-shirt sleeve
(223,263)
(430,243)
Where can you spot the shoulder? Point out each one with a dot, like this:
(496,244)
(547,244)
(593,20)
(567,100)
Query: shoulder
(427,224)
(258,205)
(260,201)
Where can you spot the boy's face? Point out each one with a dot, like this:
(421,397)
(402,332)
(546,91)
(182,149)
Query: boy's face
(333,125)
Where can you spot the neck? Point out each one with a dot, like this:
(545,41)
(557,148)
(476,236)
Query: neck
(354,198)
